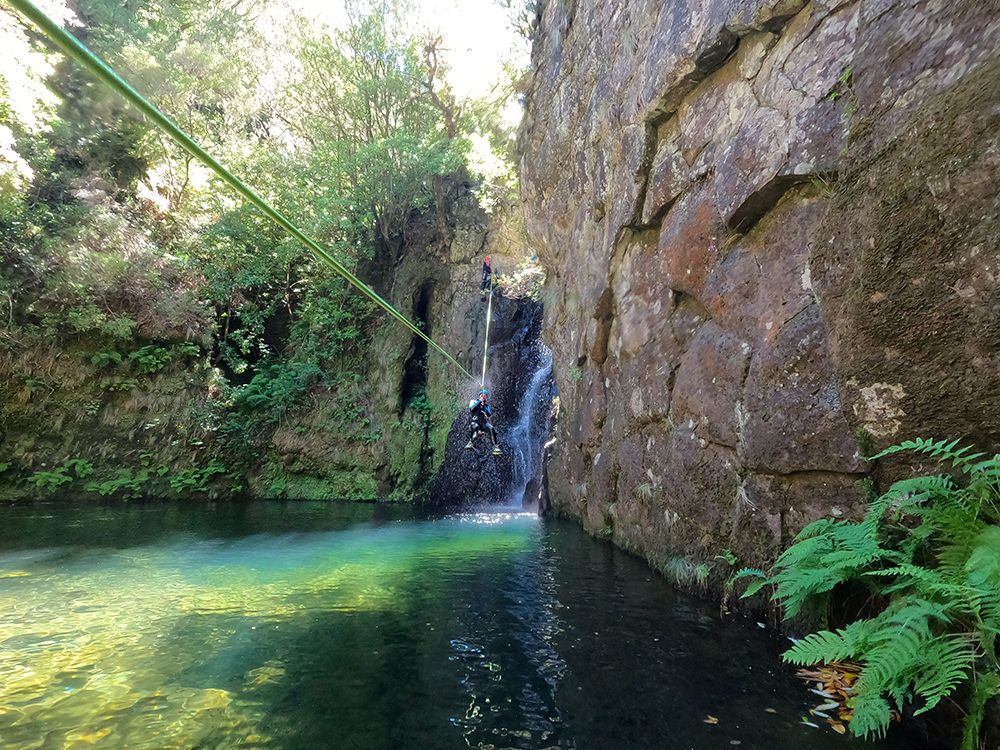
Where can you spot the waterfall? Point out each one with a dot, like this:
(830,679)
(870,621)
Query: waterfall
(524,441)
(520,377)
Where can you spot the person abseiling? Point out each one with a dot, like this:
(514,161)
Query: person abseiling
(481,420)
(487,275)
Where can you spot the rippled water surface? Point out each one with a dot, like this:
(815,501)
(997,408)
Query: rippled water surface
(358,626)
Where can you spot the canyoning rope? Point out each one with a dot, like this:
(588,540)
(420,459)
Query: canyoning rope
(486,343)
(76,50)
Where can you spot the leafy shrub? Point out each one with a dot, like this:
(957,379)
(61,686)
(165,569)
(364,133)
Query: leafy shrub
(49,480)
(80,466)
(188,349)
(120,327)
(101,359)
(125,482)
(86,317)
(57,477)
(276,389)
(196,479)
(929,551)
(150,359)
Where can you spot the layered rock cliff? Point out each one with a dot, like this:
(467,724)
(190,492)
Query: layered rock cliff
(771,237)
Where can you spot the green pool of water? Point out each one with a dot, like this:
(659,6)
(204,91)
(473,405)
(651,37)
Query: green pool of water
(360,626)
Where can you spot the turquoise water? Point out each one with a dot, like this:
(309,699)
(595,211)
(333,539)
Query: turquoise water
(363,626)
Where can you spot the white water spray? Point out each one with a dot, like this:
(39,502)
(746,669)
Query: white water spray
(526,452)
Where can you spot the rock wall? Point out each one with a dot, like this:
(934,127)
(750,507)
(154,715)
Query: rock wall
(771,238)
(521,415)
(410,396)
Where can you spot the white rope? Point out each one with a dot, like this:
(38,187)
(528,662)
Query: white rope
(486,344)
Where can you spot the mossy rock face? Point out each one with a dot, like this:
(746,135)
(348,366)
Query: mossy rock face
(137,428)
(404,450)
(343,485)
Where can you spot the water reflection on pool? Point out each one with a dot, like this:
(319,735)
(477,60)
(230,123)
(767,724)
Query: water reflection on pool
(356,626)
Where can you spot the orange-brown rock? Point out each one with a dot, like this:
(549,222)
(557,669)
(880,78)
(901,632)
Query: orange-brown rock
(770,227)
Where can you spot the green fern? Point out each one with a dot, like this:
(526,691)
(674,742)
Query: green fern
(827,646)
(760,580)
(872,715)
(748,573)
(929,547)
(945,663)
(942,450)
(986,687)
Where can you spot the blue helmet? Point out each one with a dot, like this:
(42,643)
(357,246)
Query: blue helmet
(483,392)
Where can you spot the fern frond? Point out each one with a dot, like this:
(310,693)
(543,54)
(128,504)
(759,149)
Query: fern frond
(871,715)
(989,467)
(913,613)
(804,552)
(795,587)
(930,546)
(826,646)
(942,450)
(747,573)
(923,575)
(985,483)
(909,496)
(855,536)
(759,581)
(947,662)
(988,610)
(986,687)
(855,558)
(983,563)
(889,660)
(816,528)
(922,487)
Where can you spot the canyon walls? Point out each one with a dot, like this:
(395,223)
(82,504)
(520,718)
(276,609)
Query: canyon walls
(771,238)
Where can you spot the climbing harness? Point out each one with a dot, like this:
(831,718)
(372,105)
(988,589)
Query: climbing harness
(76,50)
(481,421)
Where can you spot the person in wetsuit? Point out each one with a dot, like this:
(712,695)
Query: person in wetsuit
(481,420)
(487,275)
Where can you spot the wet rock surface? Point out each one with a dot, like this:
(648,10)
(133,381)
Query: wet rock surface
(770,231)
(517,361)
(408,396)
